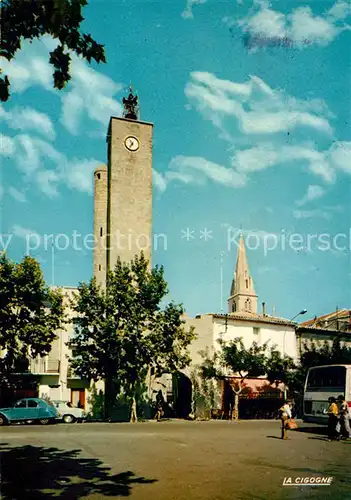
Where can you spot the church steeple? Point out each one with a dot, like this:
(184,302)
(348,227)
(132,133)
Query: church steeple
(242,293)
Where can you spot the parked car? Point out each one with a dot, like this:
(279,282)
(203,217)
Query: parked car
(68,413)
(28,410)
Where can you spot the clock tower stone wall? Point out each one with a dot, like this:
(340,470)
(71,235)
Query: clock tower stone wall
(129,190)
(100,223)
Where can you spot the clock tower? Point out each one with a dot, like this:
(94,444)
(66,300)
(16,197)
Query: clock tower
(128,212)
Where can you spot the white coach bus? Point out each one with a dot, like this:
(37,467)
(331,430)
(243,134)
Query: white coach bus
(321,383)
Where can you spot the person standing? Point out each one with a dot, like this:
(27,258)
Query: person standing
(159,405)
(285,416)
(344,414)
(333,419)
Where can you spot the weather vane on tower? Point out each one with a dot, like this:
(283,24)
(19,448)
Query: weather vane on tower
(131,106)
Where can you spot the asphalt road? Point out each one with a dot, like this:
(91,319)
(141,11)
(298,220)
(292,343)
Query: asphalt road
(170,460)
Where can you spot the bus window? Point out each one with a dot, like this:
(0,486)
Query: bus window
(323,378)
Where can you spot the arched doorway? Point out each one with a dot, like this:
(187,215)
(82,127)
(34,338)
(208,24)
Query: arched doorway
(182,394)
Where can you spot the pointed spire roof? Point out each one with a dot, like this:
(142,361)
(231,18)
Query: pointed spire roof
(242,284)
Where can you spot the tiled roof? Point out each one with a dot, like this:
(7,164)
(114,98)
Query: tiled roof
(248,316)
(342,313)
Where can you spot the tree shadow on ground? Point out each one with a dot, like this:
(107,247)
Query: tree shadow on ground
(38,473)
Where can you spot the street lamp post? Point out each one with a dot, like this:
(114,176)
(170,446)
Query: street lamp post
(301,313)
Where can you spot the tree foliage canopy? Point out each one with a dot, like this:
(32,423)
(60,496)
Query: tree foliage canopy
(317,354)
(28,19)
(122,331)
(30,313)
(234,359)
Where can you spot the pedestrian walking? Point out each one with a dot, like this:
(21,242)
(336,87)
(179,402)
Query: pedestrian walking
(285,416)
(333,419)
(159,405)
(344,414)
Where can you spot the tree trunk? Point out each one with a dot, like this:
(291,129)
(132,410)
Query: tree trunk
(133,415)
(236,406)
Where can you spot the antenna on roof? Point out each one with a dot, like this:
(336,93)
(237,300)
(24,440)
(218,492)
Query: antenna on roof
(221,281)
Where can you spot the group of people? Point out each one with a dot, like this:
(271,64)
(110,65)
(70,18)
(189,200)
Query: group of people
(339,416)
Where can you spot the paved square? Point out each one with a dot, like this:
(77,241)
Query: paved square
(171,460)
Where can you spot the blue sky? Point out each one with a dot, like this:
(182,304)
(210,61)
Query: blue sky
(251,109)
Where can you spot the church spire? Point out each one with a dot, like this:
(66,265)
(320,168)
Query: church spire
(242,294)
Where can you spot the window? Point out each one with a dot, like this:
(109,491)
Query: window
(99,267)
(234,307)
(100,231)
(21,404)
(247,283)
(99,176)
(32,404)
(333,376)
(256,330)
(248,305)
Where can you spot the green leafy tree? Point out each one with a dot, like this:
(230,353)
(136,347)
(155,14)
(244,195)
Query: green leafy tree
(30,315)
(316,354)
(235,360)
(313,354)
(28,19)
(122,332)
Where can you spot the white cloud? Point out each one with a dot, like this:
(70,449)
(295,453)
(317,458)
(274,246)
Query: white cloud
(32,152)
(305,27)
(266,155)
(256,158)
(47,181)
(27,70)
(266,22)
(188,11)
(28,118)
(89,93)
(197,170)
(257,108)
(253,108)
(78,175)
(340,156)
(24,233)
(314,192)
(7,145)
(49,169)
(300,27)
(17,195)
(159,181)
(309,214)
(200,166)
(263,236)
(340,10)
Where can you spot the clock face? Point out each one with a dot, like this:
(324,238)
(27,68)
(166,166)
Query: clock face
(131,143)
